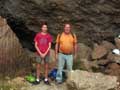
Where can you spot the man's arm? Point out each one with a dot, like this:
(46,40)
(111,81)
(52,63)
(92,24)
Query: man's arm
(56,51)
(75,47)
(75,50)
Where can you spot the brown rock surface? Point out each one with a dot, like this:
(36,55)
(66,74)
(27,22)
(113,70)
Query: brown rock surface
(92,20)
(12,55)
(108,45)
(79,80)
(117,43)
(99,52)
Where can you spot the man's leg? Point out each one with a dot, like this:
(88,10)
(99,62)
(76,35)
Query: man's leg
(38,65)
(38,71)
(61,62)
(46,70)
(69,62)
(46,65)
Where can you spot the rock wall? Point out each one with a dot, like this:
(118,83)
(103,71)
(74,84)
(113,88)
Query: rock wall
(93,20)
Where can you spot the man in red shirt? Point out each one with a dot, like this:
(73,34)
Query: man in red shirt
(42,44)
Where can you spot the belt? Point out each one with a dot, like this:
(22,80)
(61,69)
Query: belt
(66,53)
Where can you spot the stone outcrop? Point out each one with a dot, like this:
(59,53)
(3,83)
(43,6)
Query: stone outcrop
(100,58)
(83,57)
(108,45)
(98,52)
(117,42)
(82,80)
(12,55)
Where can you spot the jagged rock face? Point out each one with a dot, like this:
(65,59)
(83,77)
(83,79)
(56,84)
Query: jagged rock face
(12,56)
(93,20)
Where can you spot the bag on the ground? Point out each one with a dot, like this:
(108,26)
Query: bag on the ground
(30,78)
(53,74)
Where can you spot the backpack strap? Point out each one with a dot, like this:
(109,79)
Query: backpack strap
(59,37)
(73,35)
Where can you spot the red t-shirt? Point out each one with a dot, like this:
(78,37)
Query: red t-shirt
(43,41)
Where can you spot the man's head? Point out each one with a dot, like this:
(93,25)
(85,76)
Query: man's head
(67,28)
(44,27)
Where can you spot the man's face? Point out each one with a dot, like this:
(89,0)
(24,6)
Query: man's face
(44,28)
(67,28)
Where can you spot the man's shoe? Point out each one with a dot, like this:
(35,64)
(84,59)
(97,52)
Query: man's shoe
(47,82)
(36,83)
(59,82)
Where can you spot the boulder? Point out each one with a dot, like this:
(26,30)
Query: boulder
(108,45)
(83,57)
(12,56)
(103,62)
(99,51)
(117,43)
(113,57)
(83,80)
(114,70)
(84,52)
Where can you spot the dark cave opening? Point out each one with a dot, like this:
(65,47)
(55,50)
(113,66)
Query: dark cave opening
(24,35)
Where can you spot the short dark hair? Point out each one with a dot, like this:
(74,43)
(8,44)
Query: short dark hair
(43,23)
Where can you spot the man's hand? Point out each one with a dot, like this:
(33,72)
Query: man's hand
(75,51)
(42,56)
(56,51)
(75,57)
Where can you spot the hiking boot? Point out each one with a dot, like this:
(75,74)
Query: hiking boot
(36,82)
(59,82)
(47,82)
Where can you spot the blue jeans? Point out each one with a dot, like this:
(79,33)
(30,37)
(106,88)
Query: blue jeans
(62,58)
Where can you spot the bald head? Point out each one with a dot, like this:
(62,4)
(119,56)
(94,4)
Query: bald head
(67,28)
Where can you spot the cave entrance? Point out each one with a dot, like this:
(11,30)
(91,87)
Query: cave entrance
(24,35)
